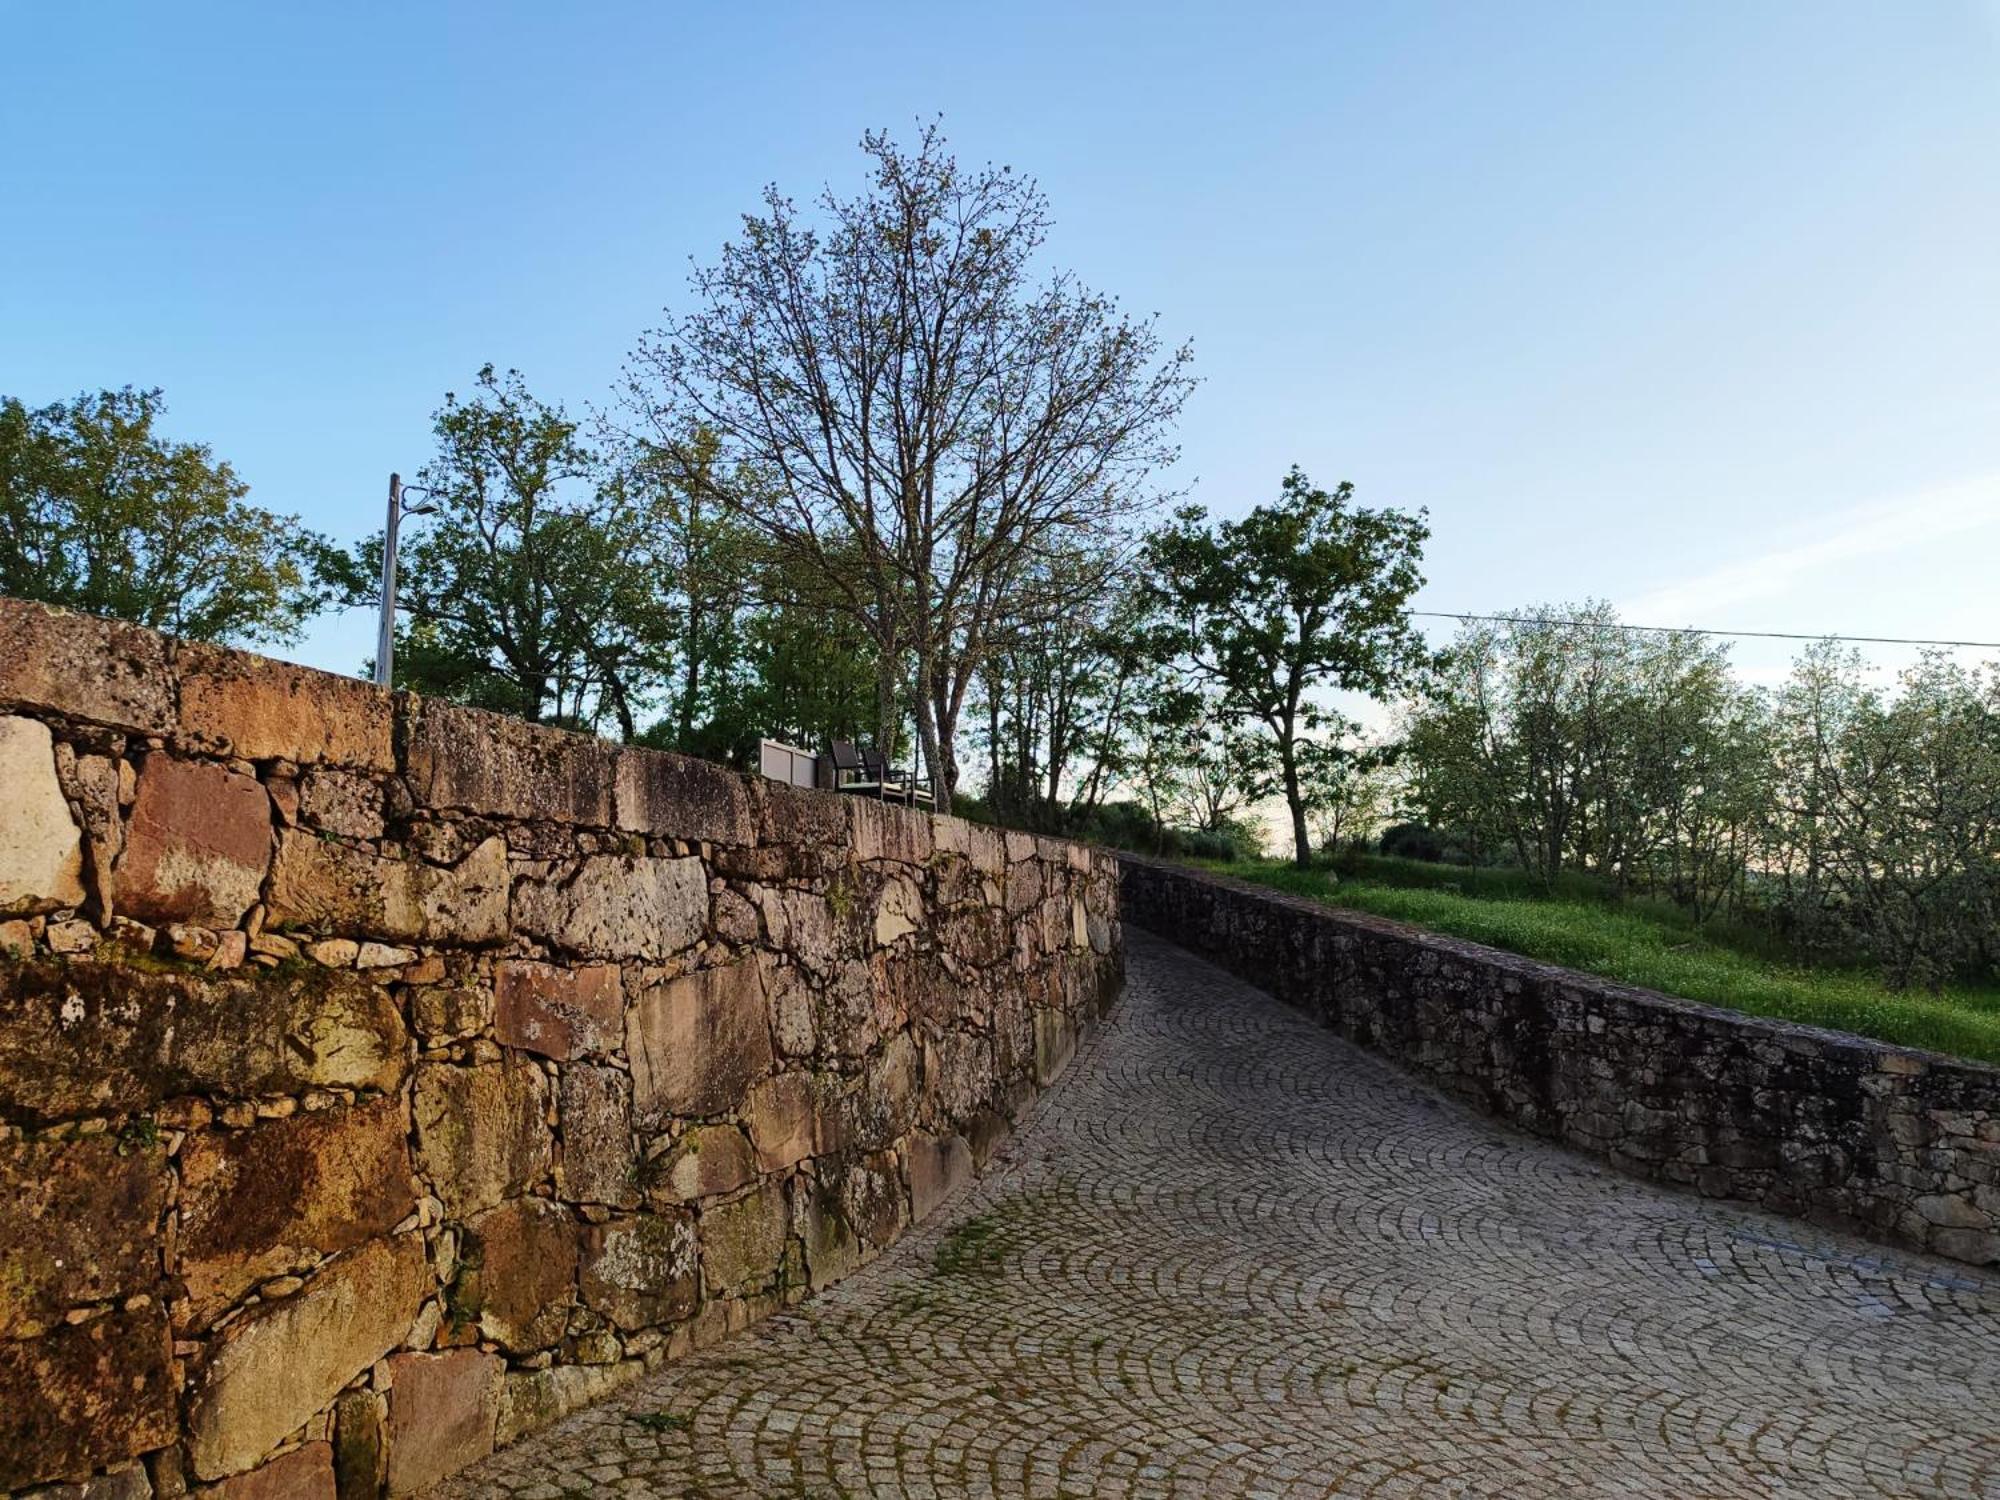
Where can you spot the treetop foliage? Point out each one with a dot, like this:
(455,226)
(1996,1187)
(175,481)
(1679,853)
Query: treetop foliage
(102,514)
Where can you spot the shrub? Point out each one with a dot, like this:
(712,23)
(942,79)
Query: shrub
(1128,825)
(1412,841)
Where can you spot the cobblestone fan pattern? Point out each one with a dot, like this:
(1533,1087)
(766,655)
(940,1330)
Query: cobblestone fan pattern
(1903,1146)
(381,1080)
(1235,1256)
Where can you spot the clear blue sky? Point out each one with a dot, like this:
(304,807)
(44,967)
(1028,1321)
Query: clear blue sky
(1691,306)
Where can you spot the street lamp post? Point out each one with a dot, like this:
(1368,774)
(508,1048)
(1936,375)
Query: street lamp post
(399,506)
(385,640)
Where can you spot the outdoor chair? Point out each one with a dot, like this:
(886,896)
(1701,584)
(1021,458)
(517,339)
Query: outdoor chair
(850,770)
(875,766)
(865,771)
(898,785)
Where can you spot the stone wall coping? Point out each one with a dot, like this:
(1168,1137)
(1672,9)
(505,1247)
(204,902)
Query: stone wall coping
(114,676)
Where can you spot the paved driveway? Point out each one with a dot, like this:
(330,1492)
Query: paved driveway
(1233,1256)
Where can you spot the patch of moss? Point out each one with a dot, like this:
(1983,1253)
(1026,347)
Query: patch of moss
(141,1134)
(973,1248)
(840,895)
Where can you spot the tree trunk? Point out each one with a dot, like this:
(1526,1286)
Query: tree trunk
(1301,840)
(888,711)
(992,742)
(928,738)
(690,686)
(945,747)
(621,703)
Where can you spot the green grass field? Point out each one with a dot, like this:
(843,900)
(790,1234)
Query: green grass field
(1582,926)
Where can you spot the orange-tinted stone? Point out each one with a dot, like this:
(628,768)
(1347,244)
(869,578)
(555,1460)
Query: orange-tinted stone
(82,1224)
(282,1362)
(81,1397)
(558,1012)
(481,1135)
(103,671)
(260,709)
(91,1036)
(488,763)
(442,1412)
(197,846)
(698,1041)
(520,1273)
(303,1474)
(677,796)
(259,1202)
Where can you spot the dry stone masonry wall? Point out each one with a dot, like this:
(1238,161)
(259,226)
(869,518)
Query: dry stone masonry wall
(1901,1145)
(381,1079)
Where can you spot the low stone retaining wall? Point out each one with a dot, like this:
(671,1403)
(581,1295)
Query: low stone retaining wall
(381,1079)
(1903,1146)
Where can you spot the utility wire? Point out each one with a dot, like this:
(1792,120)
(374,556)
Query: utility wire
(1767,635)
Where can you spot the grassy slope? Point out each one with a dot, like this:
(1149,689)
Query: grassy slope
(1644,945)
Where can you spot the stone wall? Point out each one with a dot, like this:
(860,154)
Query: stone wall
(1903,1146)
(381,1079)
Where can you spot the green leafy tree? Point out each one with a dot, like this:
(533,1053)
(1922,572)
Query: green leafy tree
(708,566)
(1700,774)
(100,513)
(533,588)
(780,667)
(1165,738)
(1344,781)
(1891,811)
(1302,597)
(1220,775)
(1524,739)
(1058,688)
(1561,741)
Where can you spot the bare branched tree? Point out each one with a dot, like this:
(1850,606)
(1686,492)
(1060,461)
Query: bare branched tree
(908,414)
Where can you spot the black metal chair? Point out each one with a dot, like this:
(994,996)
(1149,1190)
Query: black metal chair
(846,763)
(865,771)
(897,785)
(875,767)
(860,771)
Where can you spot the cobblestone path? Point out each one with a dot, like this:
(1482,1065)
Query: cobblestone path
(1234,1256)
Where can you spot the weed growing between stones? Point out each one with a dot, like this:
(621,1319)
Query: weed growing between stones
(462,1305)
(979,1246)
(972,1248)
(663,1421)
(140,1134)
(840,895)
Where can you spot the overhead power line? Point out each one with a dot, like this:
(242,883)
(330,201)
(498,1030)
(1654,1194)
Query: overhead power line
(1762,635)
